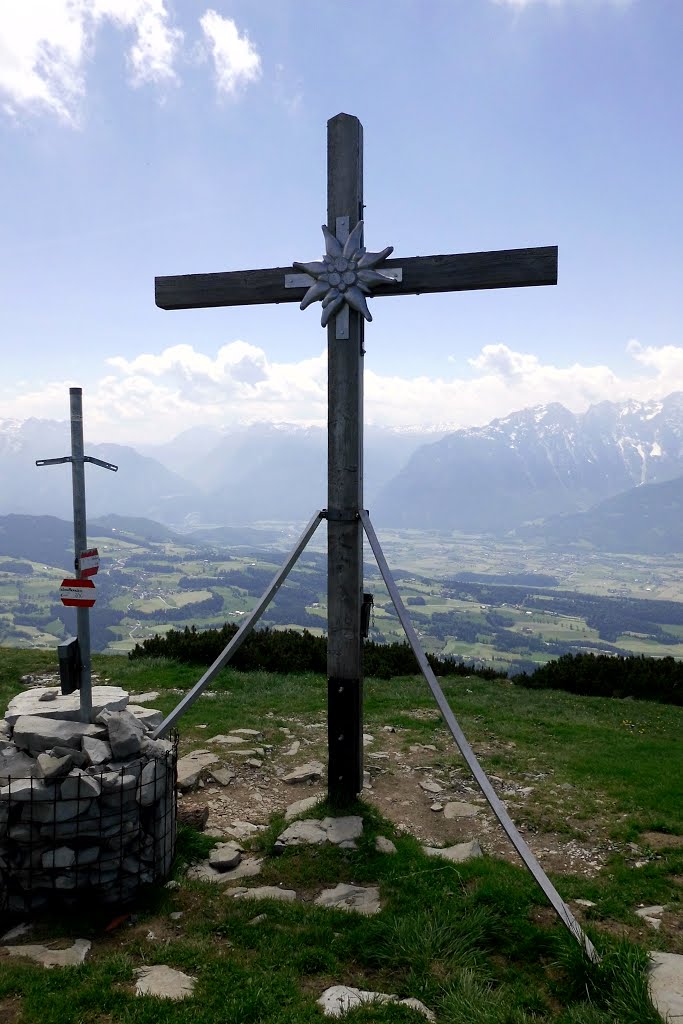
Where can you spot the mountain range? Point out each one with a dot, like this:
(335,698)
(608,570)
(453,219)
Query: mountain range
(536,463)
(543,472)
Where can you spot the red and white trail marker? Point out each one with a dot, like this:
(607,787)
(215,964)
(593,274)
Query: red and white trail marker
(77,593)
(89,562)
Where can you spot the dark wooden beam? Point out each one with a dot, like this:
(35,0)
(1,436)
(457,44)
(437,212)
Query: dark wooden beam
(458,272)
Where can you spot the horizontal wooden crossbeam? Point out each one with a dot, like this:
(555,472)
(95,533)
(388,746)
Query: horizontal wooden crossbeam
(459,272)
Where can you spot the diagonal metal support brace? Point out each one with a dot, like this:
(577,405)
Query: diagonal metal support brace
(243,632)
(496,804)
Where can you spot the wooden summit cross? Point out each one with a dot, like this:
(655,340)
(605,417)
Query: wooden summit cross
(347,274)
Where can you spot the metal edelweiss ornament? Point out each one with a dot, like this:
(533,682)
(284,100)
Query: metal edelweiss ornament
(346,274)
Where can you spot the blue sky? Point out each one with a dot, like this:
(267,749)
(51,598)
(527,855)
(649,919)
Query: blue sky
(145,137)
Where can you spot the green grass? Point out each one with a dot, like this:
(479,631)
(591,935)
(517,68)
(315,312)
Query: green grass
(475,942)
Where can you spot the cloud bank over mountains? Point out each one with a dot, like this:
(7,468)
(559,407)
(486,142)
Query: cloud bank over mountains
(155,396)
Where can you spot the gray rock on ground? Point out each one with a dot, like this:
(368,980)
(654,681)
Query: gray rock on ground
(225,856)
(247,868)
(666,985)
(430,787)
(266,892)
(458,853)
(384,845)
(191,765)
(163,981)
(310,772)
(301,806)
(73,955)
(339,999)
(341,832)
(362,899)
(459,809)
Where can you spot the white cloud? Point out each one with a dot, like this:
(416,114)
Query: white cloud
(235,60)
(45,45)
(152,397)
(520,4)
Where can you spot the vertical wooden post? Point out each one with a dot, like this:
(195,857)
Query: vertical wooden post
(345,486)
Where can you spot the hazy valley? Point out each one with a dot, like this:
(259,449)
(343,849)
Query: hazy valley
(539,534)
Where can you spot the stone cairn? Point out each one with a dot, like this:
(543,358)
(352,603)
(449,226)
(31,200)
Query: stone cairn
(85,809)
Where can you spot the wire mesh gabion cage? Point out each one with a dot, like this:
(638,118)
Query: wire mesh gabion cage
(101,834)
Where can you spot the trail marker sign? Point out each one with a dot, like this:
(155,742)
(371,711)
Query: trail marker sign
(77,593)
(89,562)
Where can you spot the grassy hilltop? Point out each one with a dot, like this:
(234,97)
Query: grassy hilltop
(475,942)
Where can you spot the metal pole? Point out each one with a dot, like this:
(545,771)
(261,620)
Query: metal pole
(345,482)
(243,632)
(80,544)
(497,805)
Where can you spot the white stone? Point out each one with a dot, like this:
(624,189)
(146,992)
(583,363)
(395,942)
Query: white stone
(225,856)
(145,698)
(585,903)
(225,740)
(245,829)
(267,892)
(310,772)
(77,786)
(301,806)
(223,776)
(338,999)
(35,733)
(163,981)
(384,845)
(70,957)
(294,749)
(460,810)
(343,830)
(340,831)
(149,717)
(247,868)
(27,789)
(98,751)
(125,735)
(190,767)
(65,708)
(302,833)
(362,899)
(431,787)
(458,853)
(152,784)
(666,984)
(247,732)
(15,764)
(49,767)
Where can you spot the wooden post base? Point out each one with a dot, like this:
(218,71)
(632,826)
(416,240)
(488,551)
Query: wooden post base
(345,740)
